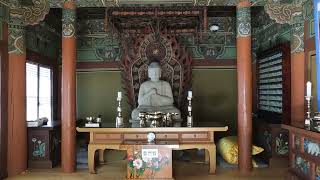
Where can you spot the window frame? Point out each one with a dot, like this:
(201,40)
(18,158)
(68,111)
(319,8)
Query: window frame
(38,89)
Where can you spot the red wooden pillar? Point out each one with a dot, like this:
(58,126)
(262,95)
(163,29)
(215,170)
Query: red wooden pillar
(297,88)
(297,74)
(244,77)
(17,124)
(3,100)
(68,94)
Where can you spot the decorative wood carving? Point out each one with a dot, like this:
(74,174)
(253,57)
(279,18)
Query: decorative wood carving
(164,48)
(31,15)
(133,20)
(283,13)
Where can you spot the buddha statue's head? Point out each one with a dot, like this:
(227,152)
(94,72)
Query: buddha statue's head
(154,71)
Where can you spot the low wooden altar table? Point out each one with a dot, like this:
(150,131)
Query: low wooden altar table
(183,138)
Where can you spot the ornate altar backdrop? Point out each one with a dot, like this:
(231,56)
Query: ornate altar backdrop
(162,47)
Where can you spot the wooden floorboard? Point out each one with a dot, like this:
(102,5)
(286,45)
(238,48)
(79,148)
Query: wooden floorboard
(183,171)
(115,169)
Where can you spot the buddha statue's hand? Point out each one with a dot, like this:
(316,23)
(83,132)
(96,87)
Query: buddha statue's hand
(152,91)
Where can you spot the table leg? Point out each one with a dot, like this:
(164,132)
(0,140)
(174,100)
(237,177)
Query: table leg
(206,156)
(91,152)
(101,156)
(212,153)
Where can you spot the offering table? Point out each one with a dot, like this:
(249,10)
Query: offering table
(183,138)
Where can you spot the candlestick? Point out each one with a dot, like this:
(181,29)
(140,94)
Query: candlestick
(119,95)
(189,117)
(119,119)
(308,119)
(309,88)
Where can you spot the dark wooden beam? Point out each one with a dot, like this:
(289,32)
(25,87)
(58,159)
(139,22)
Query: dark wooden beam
(205,19)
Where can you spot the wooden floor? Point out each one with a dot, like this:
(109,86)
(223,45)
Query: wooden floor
(182,171)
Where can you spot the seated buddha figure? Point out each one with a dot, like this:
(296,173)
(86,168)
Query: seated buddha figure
(155,95)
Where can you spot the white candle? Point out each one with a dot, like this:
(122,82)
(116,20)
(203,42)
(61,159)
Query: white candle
(309,88)
(119,95)
(189,93)
(189,108)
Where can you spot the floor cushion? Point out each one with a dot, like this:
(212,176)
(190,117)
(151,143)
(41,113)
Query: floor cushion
(228,149)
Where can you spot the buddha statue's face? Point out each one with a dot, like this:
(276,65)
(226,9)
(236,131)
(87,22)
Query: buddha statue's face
(154,73)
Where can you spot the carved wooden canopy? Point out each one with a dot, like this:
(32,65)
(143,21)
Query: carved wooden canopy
(161,47)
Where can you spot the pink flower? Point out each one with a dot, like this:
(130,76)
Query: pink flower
(130,158)
(137,163)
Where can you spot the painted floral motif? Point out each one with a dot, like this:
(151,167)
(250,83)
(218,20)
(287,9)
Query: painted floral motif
(147,167)
(68,22)
(302,165)
(282,147)
(243,22)
(17,38)
(39,148)
(297,40)
(311,147)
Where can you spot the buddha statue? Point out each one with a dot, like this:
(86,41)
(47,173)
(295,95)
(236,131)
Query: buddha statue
(155,95)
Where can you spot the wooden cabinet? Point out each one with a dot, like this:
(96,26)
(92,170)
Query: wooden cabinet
(273,103)
(44,146)
(275,142)
(273,84)
(304,153)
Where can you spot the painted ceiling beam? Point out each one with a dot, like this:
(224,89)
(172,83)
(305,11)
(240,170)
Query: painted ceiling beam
(34,11)
(116,3)
(30,13)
